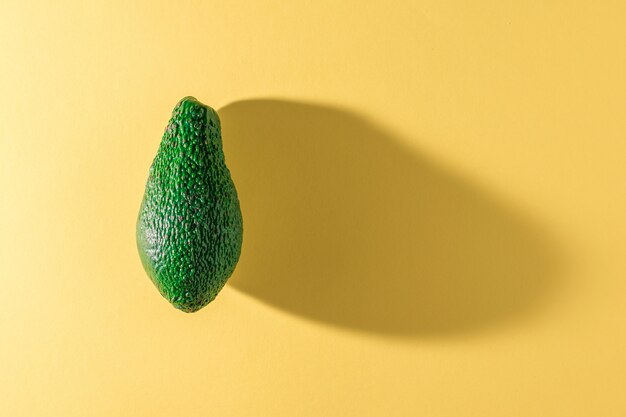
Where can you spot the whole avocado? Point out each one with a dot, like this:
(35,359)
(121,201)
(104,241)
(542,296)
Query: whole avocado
(190,229)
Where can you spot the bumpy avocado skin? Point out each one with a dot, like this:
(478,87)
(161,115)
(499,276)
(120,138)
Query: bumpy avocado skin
(190,230)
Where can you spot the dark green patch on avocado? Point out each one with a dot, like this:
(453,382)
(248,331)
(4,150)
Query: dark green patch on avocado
(189,231)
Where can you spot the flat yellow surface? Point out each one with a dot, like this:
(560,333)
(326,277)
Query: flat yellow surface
(434,200)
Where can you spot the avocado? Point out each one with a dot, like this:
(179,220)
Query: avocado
(190,228)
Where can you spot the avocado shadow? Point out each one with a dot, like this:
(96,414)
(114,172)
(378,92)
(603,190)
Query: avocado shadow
(345,226)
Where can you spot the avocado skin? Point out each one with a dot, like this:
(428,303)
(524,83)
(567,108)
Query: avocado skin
(190,229)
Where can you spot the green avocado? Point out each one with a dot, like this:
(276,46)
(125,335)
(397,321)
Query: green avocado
(190,229)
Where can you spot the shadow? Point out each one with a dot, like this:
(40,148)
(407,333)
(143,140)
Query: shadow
(343,225)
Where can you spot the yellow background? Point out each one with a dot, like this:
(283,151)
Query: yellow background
(433,196)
